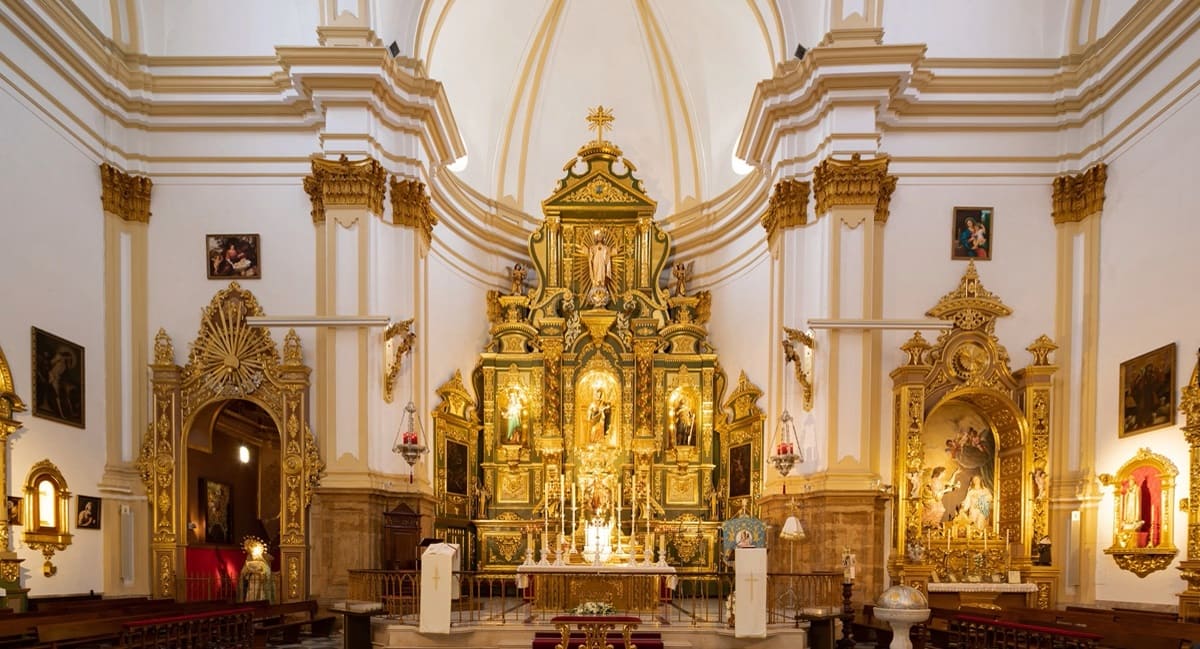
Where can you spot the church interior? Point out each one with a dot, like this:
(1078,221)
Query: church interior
(751,322)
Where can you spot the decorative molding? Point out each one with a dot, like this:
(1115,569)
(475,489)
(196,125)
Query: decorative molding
(125,195)
(411,206)
(398,340)
(854,183)
(1079,196)
(345,183)
(787,207)
(970,305)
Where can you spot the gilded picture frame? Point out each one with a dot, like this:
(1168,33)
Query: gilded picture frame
(218,511)
(1147,392)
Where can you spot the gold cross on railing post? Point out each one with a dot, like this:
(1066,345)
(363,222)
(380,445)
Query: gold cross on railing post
(598,119)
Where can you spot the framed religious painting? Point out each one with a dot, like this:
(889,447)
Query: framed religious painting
(972,231)
(218,516)
(87,513)
(58,379)
(15,510)
(741,459)
(1147,395)
(456,468)
(233,256)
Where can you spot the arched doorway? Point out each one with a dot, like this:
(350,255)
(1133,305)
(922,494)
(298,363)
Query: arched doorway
(229,362)
(233,460)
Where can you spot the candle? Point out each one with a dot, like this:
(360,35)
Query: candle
(947,540)
(985,541)
(1006,537)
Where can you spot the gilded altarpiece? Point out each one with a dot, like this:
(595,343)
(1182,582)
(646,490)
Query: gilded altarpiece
(228,360)
(598,387)
(972,444)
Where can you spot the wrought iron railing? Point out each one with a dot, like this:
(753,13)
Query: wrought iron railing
(793,593)
(208,587)
(491,598)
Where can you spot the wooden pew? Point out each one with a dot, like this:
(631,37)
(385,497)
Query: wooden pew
(288,619)
(61,602)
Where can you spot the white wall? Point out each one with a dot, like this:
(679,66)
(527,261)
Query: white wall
(53,270)
(740,326)
(178,286)
(226,27)
(978,29)
(1147,300)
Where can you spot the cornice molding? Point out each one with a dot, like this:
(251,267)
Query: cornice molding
(411,206)
(345,183)
(125,195)
(1078,196)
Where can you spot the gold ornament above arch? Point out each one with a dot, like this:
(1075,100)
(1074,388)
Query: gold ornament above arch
(228,360)
(958,406)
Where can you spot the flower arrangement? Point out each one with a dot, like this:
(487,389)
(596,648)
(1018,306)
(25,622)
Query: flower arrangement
(594,608)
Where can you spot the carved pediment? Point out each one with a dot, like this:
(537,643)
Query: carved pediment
(601,185)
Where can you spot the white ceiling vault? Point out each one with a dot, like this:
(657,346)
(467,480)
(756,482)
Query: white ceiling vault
(521,74)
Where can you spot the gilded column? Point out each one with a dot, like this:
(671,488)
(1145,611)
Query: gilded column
(908,394)
(1189,405)
(126,202)
(1077,203)
(156,464)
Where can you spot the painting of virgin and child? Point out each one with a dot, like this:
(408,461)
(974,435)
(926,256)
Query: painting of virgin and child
(960,456)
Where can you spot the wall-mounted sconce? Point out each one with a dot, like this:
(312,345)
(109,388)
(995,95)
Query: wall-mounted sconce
(398,340)
(803,358)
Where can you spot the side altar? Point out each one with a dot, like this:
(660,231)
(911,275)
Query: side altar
(599,429)
(972,446)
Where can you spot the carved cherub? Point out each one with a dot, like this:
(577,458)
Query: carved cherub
(682,273)
(790,354)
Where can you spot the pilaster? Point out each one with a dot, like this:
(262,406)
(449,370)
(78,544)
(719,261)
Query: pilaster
(1077,203)
(853,195)
(126,203)
(1189,405)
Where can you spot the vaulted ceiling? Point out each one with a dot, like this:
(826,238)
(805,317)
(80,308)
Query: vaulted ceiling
(521,74)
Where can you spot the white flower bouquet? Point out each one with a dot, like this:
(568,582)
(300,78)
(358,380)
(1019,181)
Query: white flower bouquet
(594,608)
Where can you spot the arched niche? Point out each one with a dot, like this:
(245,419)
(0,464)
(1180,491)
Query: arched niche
(959,407)
(1143,513)
(47,512)
(228,360)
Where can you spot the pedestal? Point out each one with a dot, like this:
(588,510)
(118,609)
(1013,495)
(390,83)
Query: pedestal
(750,588)
(356,625)
(901,621)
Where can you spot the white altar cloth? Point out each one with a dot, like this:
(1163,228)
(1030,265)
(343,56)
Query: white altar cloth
(969,587)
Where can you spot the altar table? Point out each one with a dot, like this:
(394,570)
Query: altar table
(956,595)
(595,630)
(633,589)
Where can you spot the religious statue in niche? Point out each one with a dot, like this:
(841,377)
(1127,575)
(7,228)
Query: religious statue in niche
(599,417)
(598,265)
(517,275)
(683,423)
(960,446)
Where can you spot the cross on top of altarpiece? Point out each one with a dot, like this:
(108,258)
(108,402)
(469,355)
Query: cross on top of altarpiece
(598,119)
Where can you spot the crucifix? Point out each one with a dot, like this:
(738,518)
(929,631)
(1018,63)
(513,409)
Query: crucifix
(598,119)
(751,580)
(437,576)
